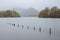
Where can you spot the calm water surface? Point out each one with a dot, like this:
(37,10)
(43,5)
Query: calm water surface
(10,32)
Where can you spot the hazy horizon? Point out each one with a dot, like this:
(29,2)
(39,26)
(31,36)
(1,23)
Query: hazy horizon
(37,4)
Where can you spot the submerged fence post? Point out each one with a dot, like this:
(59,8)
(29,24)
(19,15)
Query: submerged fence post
(22,26)
(34,28)
(27,27)
(40,29)
(50,31)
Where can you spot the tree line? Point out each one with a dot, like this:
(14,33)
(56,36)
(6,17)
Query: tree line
(54,12)
(9,13)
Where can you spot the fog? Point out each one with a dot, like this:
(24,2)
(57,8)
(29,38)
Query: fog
(37,4)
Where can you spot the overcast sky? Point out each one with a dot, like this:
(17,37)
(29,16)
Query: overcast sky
(37,4)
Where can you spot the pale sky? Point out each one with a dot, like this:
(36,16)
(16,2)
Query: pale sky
(37,4)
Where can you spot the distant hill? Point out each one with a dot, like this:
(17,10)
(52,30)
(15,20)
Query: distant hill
(9,13)
(30,12)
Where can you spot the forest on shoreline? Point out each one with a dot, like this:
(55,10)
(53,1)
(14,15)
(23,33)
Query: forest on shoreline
(54,12)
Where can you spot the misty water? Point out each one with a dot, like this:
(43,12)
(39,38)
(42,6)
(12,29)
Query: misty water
(27,32)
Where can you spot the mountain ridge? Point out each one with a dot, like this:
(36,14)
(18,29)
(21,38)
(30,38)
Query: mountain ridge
(30,12)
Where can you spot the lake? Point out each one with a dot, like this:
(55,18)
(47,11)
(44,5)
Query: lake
(27,28)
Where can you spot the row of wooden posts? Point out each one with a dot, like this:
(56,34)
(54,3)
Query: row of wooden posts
(28,27)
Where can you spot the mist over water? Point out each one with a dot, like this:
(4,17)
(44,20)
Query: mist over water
(26,31)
